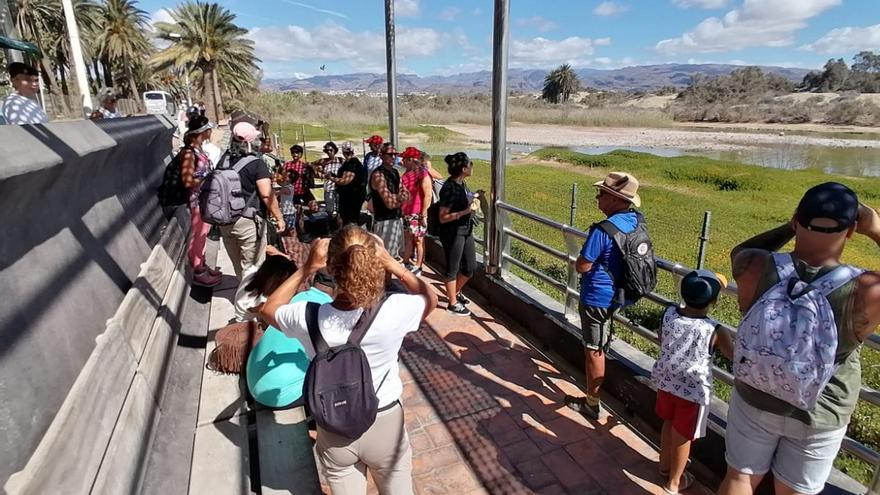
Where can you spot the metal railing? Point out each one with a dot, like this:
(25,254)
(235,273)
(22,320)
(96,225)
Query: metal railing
(571,294)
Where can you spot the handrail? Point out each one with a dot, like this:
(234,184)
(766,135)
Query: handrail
(866,394)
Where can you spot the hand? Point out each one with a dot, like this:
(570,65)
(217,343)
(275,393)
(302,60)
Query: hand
(423,220)
(404,195)
(869,222)
(280,224)
(318,255)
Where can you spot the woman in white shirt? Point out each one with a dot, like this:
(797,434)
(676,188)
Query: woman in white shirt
(357,261)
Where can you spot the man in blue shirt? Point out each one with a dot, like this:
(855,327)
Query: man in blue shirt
(601,264)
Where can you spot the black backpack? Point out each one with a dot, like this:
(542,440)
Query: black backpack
(172,192)
(338,386)
(639,265)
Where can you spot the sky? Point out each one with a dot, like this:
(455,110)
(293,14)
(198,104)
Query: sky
(442,37)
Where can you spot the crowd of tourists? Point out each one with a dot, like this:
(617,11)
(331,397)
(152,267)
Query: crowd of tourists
(328,257)
(342,271)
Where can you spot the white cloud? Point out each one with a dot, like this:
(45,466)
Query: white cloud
(756,23)
(316,9)
(161,15)
(847,40)
(602,41)
(610,8)
(542,52)
(602,60)
(406,8)
(331,42)
(542,24)
(449,14)
(703,4)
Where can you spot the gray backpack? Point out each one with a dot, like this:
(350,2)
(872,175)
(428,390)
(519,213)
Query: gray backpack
(221,198)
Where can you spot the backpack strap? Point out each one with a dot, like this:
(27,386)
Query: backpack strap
(315,336)
(784,266)
(243,162)
(833,280)
(365,321)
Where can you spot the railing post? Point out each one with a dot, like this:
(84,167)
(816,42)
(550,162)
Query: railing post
(305,152)
(704,238)
(573,245)
(874,487)
(499,133)
(574,203)
(391,71)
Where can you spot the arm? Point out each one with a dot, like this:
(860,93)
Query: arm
(264,189)
(749,259)
(426,196)
(434,173)
(345,180)
(284,293)
(413,284)
(582,265)
(188,169)
(866,304)
(724,342)
(380,188)
(446,216)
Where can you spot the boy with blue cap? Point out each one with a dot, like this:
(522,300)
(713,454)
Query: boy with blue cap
(683,373)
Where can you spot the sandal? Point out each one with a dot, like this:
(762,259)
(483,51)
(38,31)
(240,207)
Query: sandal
(687,480)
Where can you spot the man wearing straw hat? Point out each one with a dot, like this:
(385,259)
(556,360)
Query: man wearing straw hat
(601,264)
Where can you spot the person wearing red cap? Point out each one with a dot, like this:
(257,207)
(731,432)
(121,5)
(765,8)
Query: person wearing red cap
(373,159)
(417,182)
(387,199)
(810,314)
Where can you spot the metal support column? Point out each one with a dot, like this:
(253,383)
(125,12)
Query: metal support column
(7,28)
(79,64)
(500,42)
(391,71)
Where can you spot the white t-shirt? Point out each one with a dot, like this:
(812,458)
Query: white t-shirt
(684,368)
(18,110)
(399,315)
(213,151)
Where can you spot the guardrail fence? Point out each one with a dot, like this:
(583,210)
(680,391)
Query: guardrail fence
(574,239)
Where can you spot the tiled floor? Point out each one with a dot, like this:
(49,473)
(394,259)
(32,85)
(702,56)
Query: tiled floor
(485,415)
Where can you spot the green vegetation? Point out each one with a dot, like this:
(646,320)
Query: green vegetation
(744,200)
(413,110)
(863,76)
(559,84)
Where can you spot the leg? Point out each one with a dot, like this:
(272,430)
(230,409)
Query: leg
(387,452)
(468,262)
(198,239)
(233,247)
(595,366)
(408,245)
(453,247)
(679,451)
(346,474)
(420,250)
(737,483)
(804,458)
(665,442)
(752,438)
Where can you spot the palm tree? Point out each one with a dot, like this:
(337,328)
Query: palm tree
(560,84)
(123,38)
(205,37)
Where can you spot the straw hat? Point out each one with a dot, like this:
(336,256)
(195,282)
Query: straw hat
(622,185)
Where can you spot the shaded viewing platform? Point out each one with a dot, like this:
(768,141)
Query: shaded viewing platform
(484,411)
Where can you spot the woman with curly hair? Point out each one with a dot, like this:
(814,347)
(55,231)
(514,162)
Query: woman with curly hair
(358,262)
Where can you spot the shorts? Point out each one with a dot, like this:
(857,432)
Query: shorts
(688,418)
(391,233)
(595,327)
(800,456)
(414,225)
(330,201)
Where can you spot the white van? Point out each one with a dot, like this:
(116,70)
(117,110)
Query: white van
(160,102)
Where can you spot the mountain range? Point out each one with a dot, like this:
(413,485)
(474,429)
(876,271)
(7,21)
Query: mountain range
(636,78)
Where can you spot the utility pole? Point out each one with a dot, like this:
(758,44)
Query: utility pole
(391,71)
(500,46)
(76,50)
(7,28)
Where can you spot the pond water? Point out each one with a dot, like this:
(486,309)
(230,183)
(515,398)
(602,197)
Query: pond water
(854,161)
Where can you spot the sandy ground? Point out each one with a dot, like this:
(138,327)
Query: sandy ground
(553,135)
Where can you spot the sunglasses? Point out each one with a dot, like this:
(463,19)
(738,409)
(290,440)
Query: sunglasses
(390,154)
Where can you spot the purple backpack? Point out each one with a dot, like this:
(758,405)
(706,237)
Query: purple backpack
(338,387)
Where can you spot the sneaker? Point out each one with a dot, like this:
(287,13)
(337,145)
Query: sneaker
(463,300)
(458,309)
(205,279)
(214,272)
(417,270)
(580,405)
(409,266)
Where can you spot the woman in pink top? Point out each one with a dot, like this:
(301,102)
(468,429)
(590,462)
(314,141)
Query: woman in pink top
(417,181)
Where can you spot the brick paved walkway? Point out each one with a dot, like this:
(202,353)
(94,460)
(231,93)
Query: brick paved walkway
(485,415)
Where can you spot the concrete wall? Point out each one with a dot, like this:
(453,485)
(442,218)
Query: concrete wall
(79,219)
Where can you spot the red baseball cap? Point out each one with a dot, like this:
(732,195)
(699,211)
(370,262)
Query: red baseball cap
(411,152)
(374,139)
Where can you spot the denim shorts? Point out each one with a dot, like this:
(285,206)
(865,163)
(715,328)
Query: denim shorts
(800,456)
